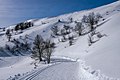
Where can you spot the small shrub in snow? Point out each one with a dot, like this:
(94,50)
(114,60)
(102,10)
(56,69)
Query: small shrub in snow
(67,29)
(55,30)
(90,40)
(71,20)
(7,47)
(8,34)
(78,28)
(71,40)
(94,37)
(63,32)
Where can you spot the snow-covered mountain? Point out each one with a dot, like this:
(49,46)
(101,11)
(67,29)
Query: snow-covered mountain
(102,56)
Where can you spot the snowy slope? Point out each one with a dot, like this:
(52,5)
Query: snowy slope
(18,67)
(102,55)
(105,55)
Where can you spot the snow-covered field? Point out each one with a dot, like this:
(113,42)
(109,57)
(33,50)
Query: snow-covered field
(70,62)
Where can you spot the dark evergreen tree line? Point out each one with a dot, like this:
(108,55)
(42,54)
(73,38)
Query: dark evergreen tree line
(22,26)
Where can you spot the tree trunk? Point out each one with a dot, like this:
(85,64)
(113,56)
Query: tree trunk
(40,55)
(79,33)
(48,60)
(92,27)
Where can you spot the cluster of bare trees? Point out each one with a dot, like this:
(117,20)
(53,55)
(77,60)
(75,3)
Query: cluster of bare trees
(64,32)
(88,24)
(91,20)
(18,48)
(58,32)
(42,49)
(20,26)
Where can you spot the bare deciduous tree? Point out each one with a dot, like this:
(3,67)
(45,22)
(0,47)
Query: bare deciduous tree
(49,48)
(38,47)
(71,40)
(91,19)
(55,30)
(78,28)
(8,34)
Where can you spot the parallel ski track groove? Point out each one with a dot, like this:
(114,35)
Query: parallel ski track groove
(34,74)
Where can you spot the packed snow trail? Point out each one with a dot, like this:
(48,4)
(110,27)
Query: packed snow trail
(69,70)
(65,71)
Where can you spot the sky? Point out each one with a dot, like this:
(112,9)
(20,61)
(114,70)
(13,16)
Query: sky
(16,11)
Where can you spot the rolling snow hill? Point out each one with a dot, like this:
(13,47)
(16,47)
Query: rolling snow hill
(104,55)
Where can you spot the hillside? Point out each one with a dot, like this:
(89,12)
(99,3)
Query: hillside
(102,56)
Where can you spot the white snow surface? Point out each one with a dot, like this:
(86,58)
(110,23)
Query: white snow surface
(18,66)
(103,55)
